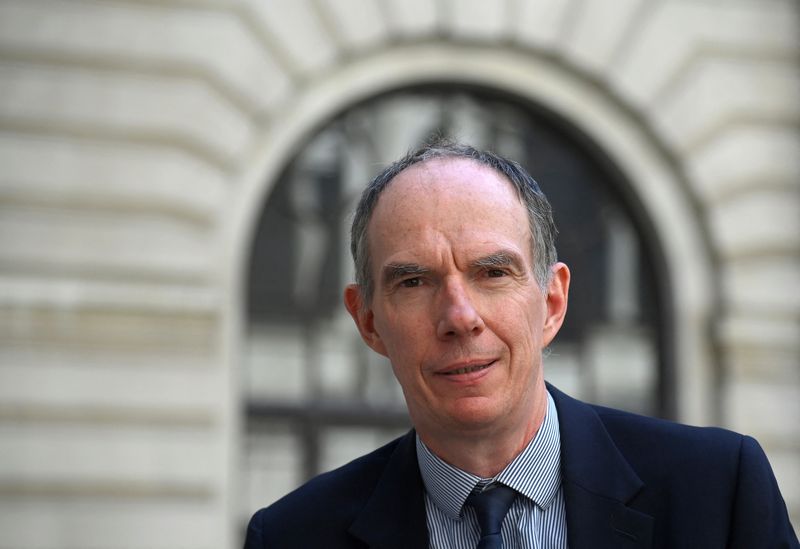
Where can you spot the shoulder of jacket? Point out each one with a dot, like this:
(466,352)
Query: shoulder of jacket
(341,491)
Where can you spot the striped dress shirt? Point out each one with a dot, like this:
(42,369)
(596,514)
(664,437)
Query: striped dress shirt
(537,518)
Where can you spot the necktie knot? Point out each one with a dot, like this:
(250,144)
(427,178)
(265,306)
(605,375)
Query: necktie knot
(491,507)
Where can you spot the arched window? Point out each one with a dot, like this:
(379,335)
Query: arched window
(316,396)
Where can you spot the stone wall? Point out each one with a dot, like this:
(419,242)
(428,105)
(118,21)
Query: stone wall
(138,138)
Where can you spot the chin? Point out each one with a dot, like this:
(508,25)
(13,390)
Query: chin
(477,415)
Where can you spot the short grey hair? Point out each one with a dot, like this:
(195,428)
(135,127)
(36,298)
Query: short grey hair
(540,214)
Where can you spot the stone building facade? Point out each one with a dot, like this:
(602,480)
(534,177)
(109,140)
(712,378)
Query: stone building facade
(139,140)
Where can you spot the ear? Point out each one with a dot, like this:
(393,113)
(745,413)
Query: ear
(364,318)
(557,295)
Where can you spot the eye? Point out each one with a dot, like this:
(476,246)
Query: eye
(495,273)
(411,282)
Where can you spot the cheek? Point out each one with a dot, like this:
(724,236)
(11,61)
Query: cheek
(519,314)
(403,323)
(520,327)
(402,336)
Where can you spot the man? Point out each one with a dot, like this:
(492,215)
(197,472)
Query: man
(459,286)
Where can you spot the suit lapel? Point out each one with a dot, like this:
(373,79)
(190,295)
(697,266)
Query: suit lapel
(394,517)
(598,483)
(597,522)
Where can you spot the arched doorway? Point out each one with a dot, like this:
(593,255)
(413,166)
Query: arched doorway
(316,396)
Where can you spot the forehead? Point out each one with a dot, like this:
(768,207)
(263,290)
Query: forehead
(456,199)
(457,182)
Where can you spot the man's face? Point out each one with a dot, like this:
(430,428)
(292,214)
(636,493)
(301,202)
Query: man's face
(456,307)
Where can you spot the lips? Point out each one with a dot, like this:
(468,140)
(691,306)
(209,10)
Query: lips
(467,369)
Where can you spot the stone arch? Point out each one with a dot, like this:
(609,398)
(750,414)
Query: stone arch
(627,141)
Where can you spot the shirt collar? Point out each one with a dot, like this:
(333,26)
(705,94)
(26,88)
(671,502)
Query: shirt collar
(534,473)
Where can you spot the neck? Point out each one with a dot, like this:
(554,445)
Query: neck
(487,451)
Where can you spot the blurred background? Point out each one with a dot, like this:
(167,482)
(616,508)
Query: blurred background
(176,182)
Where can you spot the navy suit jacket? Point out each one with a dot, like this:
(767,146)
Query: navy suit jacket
(629,482)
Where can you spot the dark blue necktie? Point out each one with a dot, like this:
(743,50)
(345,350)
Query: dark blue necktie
(491,507)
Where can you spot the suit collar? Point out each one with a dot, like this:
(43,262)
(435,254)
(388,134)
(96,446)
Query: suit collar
(598,486)
(598,482)
(394,516)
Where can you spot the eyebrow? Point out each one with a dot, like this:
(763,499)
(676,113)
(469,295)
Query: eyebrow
(396,271)
(501,258)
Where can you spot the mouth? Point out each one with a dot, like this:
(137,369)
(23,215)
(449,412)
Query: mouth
(468,369)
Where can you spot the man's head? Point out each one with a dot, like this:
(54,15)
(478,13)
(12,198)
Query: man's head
(540,217)
(456,302)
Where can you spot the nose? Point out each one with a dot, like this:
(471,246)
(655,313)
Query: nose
(458,316)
